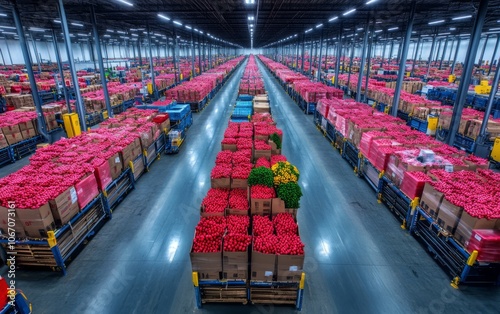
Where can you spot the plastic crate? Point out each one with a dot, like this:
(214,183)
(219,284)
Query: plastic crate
(241,113)
(244,104)
(177,112)
(245,97)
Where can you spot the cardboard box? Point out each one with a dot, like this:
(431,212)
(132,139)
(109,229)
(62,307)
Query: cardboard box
(260,206)
(203,213)
(208,265)
(239,184)
(289,267)
(278,207)
(8,225)
(235,265)
(115,165)
(14,138)
(221,183)
(233,211)
(431,200)
(23,126)
(274,148)
(37,228)
(263,266)
(103,175)
(448,216)
(467,223)
(3,141)
(262,153)
(31,214)
(86,190)
(231,147)
(138,167)
(29,133)
(130,153)
(11,129)
(65,206)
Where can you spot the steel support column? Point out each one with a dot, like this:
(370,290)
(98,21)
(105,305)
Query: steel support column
(174,58)
(193,72)
(383,54)
(61,70)
(338,58)
(415,56)
(8,51)
(350,65)
(482,51)
(433,45)
(67,41)
(199,55)
(37,55)
(402,62)
(494,54)
(320,56)
(467,70)
(494,88)
(102,71)
(444,53)
(368,66)
(455,57)
(390,52)
(303,53)
(29,67)
(138,51)
(363,60)
(151,64)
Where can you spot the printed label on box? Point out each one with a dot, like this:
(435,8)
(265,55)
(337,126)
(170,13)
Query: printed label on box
(293,268)
(74,197)
(268,273)
(477,237)
(448,168)
(117,160)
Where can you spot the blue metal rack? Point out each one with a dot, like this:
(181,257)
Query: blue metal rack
(400,204)
(56,250)
(371,174)
(351,154)
(21,305)
(461,264)
(244,97)
(243,291)
(117,190)
(403,115)
(25,147)
(6,156)
(465,143)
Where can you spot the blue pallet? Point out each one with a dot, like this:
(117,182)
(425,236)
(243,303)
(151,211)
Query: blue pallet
(26,147)
(310,107)
(177,112)
(403,115)
(465,143)
(241,113)
(245,97)
(418,124)
(6,156)
(184,123)
(480,102)
(153,107)
(244,104)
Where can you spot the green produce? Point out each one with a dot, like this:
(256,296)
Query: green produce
(261,176)
(290,193)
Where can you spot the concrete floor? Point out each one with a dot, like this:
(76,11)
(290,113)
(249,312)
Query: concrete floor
(358,259)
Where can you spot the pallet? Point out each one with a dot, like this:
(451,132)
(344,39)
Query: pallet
(117,190)
(25,147)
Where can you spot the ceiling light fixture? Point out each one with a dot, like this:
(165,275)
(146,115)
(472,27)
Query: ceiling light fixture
(319,25)
(378,31)
(135,35)
(307,31)
(125,2)
(188,27)
(77,24)
(120,32)
(462,17)
(348,12)
(249,1)
(36,29)
(495,29)
(452,28)
(178,23)
(106,35)
(164,17)
(3,14)
(392,28)
(333,19)
(110,30)
(250,18)
(371,1)
(11,33)
(436,22)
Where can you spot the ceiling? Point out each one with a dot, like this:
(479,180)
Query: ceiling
(227,21)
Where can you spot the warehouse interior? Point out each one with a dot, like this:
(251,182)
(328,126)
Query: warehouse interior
(251,156)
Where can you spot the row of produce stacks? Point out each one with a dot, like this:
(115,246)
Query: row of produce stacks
(17,126)
(65,178)
(455,189)
(248,230)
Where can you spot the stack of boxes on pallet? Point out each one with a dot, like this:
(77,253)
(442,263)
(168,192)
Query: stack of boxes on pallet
(17,126)
(246,232)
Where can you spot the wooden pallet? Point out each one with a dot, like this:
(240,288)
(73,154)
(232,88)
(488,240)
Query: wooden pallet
(273,295)
(224,295)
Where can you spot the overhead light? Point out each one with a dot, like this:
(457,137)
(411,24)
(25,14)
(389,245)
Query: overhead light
(295,35)
(251,25)
(80,34)
(378,31)
(156,34)
(464,35)
(349,12)
(360,29)
(145,33)
(461,17)
(201,32)
(250,18)
(333,19)
(441,34)
(371,1)
(110,30)
(120,32)
(7,27)
(178,23)
(125,2)
(48,36)
(124,37)
(10,33)
(133,29)
(196,30)
(436,22)
(413,32)
(319,25)
(106,35)
(307,31)
(495,29)
(135,35)
(3,14)
(57,21)
(249,1)
(164,17)
(36,29)
(77,24)
(452,28)
(392,28)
